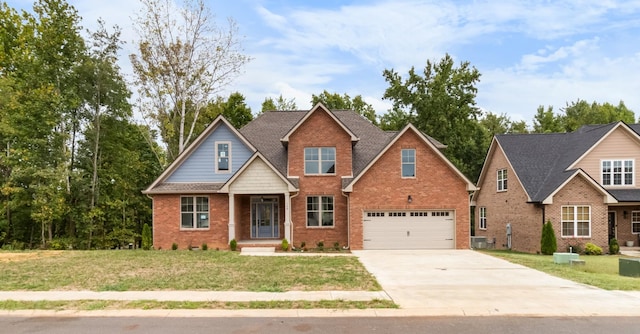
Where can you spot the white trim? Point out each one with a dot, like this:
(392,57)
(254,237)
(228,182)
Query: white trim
(320,212)
(481,217)
(319,149)
(195,213)
(256,155)
(575,221)
(631,221)
(619,124)
(502,181)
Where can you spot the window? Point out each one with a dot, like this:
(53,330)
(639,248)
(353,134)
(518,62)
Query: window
(409,163)
(198,213)
(223,154)
(320,160)
(320,211)
(576,221)
(617,172)
(502,179)
(483,218)
(635,222)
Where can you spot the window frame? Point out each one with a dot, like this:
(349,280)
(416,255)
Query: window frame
(635,222)
(403,163)
(196,219)
(501,180)
(320,160)
(217,157)
(575,221)
(482,218)
(321,211)
(611,174)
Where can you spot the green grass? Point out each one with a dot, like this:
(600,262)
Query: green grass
(599,270)
(138,270)
(93,305)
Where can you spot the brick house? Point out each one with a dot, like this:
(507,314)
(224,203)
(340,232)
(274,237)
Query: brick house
(311,176)
(584,182)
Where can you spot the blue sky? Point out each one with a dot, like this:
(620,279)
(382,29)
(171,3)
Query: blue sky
(529,53)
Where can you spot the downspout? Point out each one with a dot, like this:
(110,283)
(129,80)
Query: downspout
(348,246)
(291,226)
(543,215)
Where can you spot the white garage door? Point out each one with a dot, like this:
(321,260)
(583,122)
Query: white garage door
(409,230)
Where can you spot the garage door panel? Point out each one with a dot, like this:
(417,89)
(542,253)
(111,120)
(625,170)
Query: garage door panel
(411,230)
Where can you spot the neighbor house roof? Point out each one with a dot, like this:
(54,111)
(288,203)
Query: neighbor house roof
(544,162)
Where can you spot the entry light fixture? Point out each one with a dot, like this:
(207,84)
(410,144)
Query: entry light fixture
(261,198)
(409,199)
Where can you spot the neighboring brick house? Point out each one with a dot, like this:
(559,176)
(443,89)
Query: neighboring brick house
(584,182)
(311,176)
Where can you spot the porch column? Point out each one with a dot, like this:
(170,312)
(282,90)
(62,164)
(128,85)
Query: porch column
(287,217)
(232,216)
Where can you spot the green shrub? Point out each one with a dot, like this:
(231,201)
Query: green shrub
(204,246)
(285,245)
(233,244)
(336,246)
(174,246)
(147,237)
(320,245)
(591,249)
(548,244)
(614,248)
(303,246)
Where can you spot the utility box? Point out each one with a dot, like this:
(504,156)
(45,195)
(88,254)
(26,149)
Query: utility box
(565,258)
(478,242)
(629,267)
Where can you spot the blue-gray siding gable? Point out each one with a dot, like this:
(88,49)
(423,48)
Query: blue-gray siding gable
(200,165)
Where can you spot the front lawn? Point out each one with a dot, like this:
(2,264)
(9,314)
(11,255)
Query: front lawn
(599,270)
(137,270)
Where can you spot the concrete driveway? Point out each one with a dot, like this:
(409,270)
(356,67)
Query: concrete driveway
(465,282)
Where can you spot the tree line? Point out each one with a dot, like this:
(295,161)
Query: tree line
(74,158)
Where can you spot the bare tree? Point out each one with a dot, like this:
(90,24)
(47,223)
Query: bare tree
(184,59)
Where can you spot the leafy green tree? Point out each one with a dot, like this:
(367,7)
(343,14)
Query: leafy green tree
(579,113)
(440,101)
(147,237)
(546,121)
(236,111)
(280,103)
(337,101)
(184,59)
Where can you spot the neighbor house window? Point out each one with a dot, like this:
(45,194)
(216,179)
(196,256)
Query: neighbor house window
(635,222)
(223,155)
(320,160)
(409,163)
(502,180)
(483,218)
(194,212)
(319,211)
(617,172)
(576,221)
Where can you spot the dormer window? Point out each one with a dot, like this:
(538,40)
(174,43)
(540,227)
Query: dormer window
(617,172)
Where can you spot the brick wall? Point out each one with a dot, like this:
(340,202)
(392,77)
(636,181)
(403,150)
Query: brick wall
(320,130)
(436,186)
(507,207)
(166,223)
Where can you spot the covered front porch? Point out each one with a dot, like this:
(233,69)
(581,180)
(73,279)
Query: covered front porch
(624,224)
(259,220)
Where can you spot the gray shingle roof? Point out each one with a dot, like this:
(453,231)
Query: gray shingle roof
(541,161)
(185,188)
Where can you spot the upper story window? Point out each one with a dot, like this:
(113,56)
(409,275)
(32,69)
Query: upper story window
(502,180)
(409,163)
(223,157)
(617,172)
(320,160)
(194,212)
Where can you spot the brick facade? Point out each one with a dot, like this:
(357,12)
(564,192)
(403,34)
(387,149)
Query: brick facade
(435,187)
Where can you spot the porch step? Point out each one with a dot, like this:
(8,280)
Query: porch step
(257,250)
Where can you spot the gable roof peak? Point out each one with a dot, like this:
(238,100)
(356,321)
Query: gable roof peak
(319,107)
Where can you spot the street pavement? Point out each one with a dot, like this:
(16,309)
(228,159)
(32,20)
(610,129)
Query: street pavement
(422,283)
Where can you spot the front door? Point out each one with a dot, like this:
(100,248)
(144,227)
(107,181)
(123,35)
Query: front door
(264,218)
(612,225)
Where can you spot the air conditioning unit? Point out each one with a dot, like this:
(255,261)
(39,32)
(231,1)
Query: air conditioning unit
(478,242)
